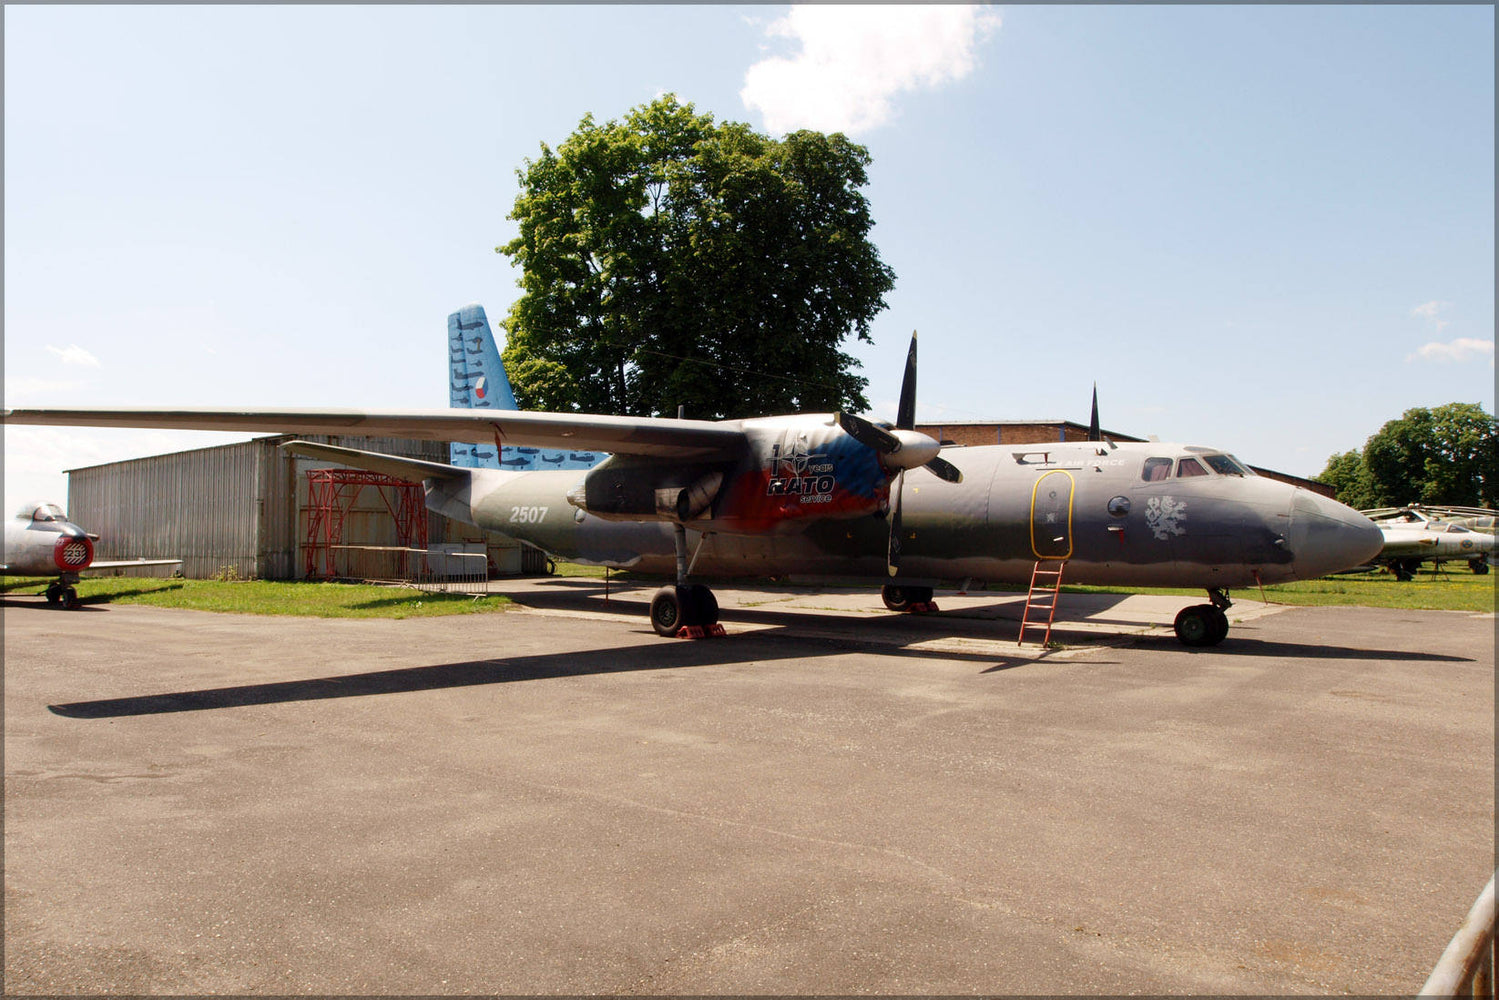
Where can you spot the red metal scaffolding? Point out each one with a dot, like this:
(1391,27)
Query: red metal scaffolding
(330,495)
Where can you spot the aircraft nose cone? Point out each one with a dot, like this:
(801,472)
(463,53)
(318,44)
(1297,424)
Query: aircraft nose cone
(1328,537)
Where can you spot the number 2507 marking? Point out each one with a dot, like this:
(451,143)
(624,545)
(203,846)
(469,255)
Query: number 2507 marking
(527,515)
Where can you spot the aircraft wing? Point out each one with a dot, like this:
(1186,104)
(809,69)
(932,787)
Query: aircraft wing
(413,469)
(661,437)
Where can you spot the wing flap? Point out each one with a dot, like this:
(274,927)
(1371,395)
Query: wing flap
(667,438)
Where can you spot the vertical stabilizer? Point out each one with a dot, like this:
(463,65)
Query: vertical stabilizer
(477,380)
(1094,433)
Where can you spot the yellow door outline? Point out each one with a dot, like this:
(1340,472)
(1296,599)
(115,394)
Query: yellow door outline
(1071,492)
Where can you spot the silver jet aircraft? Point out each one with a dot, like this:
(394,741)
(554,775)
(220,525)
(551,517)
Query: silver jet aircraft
(838,495)
(1415,533)
(41,541)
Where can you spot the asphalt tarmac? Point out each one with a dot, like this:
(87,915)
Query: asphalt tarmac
(827,800)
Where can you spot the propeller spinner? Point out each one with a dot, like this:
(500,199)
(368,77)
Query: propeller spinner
(900,449)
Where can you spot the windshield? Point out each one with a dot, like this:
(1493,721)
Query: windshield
(49,512)
(1224,465)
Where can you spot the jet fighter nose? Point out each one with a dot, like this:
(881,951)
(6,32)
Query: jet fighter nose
(1327,537)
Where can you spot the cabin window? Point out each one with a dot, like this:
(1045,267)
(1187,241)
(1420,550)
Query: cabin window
(1190,467)
(1224,465)
(49,512)
(1156,469)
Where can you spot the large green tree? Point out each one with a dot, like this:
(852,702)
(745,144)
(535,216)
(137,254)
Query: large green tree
(1443,455)
(671,260)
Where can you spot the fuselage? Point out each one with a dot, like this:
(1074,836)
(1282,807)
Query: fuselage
(41,541)
(1143,514)
(1434,540)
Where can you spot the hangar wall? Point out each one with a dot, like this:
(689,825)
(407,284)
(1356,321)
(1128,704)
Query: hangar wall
(243,509)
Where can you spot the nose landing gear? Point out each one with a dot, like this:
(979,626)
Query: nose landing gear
(61,592)
(1204,624)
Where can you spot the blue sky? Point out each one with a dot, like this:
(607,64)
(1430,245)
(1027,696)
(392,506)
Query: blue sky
(1265,228)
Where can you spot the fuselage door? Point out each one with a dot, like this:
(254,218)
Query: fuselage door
(1051,515)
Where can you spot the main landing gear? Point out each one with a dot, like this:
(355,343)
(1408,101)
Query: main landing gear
(686,610)
(917,599)
(1204,624)
(684,606)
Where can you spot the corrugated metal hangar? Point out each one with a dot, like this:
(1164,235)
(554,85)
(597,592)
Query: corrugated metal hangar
(251,510)
(247,510)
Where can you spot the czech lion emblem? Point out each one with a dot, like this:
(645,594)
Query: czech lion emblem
(1164,516)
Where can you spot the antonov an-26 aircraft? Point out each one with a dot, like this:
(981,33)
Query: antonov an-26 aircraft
(839,495)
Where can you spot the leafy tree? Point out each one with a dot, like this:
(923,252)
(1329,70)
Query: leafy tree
(1347,474)
(1444,455)
(667,259)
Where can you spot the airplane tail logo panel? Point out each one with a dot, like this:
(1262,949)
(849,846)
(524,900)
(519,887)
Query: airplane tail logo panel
(477,380)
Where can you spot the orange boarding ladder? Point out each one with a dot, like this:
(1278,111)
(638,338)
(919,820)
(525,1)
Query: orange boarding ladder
(1046,588)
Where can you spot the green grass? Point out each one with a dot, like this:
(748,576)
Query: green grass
(1451,590)
(265,597)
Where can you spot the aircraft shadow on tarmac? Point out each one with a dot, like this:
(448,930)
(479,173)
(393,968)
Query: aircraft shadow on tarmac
(973,623)
(657,654)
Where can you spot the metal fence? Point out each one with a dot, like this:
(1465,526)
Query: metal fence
(438,570)
(1466,968)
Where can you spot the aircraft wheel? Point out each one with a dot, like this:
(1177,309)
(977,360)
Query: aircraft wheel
(1198,625)
(1220,625)
(70,599)
(1405,569)
(666,611)
(901,598)
(1479,565)
(54,593)
(702,604)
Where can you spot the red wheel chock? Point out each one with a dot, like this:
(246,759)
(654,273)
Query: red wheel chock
(700,631)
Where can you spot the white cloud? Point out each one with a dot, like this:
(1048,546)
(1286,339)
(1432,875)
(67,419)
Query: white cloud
(854,59)
(1430,311)
(74,355)
(1461,349)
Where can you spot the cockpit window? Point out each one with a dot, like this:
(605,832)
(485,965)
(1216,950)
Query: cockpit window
(1156,469)
(1224,465)
(1190,467)
(49,512)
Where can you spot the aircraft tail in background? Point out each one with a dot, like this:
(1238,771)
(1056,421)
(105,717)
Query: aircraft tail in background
(477,379)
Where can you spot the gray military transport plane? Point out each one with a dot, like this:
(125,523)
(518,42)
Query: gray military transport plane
(838,495)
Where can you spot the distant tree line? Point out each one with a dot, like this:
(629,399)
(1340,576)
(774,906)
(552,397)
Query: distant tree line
(1443,455)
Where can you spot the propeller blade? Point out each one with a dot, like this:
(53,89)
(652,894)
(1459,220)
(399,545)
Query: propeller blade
(868,434)
(892,558)
(905,415)
(944,470)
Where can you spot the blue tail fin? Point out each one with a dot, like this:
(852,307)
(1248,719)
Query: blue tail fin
(476,379)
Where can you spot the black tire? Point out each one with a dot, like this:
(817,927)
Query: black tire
(896,598)
(1195,625)
(70,599)
(1220,625)
(701,605)
(666,611)
(1404,569)
(1479,565)
(54,593)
